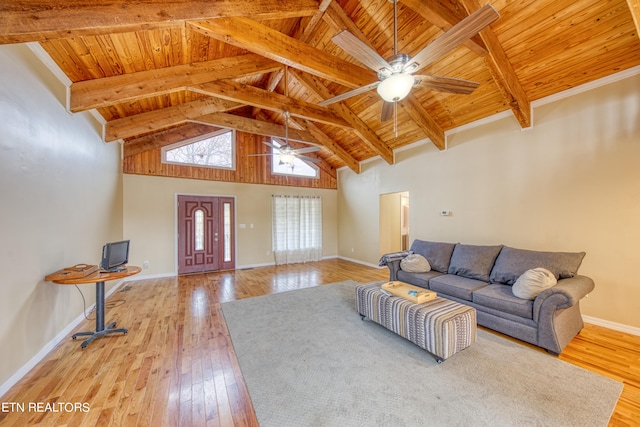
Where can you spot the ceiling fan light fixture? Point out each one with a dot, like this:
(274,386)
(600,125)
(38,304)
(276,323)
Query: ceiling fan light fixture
(395,87)
(286,159)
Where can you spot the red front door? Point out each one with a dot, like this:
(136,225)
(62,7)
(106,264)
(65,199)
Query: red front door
(205,234)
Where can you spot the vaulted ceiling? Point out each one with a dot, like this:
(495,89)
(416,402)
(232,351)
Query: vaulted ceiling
(159,72)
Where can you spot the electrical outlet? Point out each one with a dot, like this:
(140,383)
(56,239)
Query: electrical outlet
(145,264)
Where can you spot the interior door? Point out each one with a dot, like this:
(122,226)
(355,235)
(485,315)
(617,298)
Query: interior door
(205,234)
(394,222)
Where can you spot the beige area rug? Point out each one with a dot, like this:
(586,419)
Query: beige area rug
(309,360)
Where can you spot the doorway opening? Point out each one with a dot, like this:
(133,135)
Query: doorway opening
(206,234)
(394,222)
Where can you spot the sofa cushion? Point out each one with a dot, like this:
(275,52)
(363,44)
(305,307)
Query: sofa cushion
(474,262)
(533,282)
(500,297)
(418,279)
(437,253)
(511,263)
(415,263)
(456,286)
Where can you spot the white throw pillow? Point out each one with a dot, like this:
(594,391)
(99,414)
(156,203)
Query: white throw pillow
(533,282)
(415,263)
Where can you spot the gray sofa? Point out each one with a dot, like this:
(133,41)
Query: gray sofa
(482,277)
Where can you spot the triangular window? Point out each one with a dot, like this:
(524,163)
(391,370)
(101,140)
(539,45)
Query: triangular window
(291,166)
(215,150)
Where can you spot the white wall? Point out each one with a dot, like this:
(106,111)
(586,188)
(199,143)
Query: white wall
(150,219)
(61,195)
(572,183)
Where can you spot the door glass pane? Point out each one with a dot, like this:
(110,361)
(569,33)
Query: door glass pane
(227,231)
(199,231)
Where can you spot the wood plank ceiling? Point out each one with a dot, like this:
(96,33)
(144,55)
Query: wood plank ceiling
(157,71)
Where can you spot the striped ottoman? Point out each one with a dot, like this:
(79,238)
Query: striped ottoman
(440,326)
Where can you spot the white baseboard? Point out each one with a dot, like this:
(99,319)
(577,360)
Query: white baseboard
(611,325)
(248,266)
(357,261)
(271,264)
(149,276)
(63,334)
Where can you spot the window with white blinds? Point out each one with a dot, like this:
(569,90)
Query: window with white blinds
(297,229)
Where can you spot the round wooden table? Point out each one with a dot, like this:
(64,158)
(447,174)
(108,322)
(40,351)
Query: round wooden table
(99,278)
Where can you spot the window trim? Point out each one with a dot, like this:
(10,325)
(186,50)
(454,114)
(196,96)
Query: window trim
(163,154)
(311,165)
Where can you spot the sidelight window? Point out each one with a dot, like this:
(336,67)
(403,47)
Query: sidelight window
(199,229)
(227,231)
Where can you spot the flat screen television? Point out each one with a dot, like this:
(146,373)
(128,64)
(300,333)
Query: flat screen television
(115,255)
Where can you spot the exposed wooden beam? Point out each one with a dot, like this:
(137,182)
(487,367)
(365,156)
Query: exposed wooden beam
(210,122)
(307,32)
(445,15)
(97,93)
(634,8)
(423,119)
(257,127)
(245,94)
(314,85)
(258,38)
(503,73)
(506,79)
(164,138)
(39,20)
(339,21)
(333,146)
(302,34)
(272,84)
(296,124)
(151,121)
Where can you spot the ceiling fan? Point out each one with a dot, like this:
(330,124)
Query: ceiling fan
(286,153)
(395,75)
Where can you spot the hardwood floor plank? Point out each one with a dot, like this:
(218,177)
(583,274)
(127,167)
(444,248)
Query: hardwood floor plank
(177,366)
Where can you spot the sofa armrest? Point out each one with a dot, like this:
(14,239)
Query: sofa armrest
(392,260)
(557,312)
(567,293)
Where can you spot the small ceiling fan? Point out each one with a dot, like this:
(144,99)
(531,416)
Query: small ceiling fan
(286,152)
(396,76)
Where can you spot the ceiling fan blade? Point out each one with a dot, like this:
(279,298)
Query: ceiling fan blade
(306,150)
(447,84)
(270,145)
(348,94)
(456,35)
(255,155)
(308,159)
(360,50)
(387,111)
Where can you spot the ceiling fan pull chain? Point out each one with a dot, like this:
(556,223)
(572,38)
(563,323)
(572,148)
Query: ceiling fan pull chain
(395,118)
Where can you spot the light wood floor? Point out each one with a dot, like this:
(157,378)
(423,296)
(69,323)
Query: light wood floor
(177,367)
